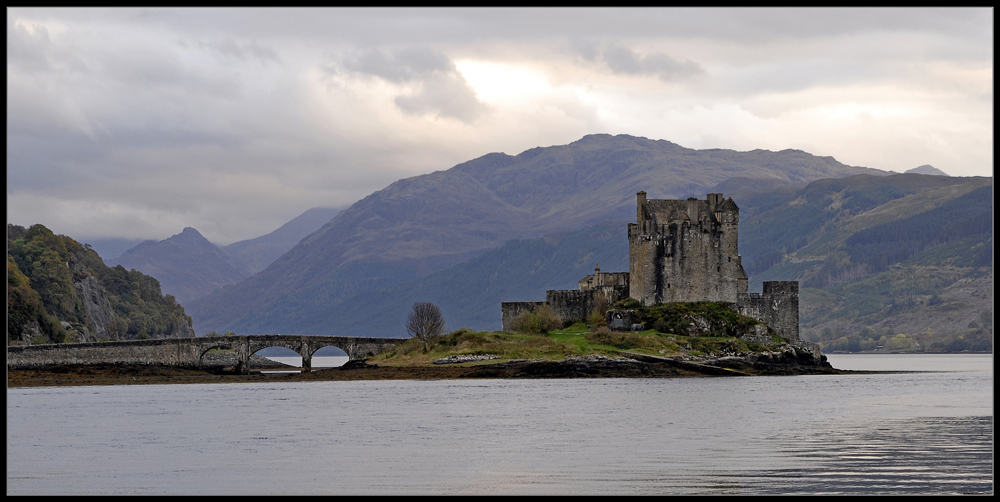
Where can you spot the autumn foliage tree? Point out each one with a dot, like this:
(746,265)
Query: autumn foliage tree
(425,323)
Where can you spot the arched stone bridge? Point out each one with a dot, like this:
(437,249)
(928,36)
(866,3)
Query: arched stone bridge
(189,351)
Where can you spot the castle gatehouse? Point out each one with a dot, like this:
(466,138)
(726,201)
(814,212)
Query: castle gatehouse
(679,251)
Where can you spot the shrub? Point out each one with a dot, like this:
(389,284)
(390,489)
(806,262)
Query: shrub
(541,321)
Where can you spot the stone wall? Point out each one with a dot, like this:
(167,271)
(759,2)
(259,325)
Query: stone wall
(777,306)
(510,310)
(604,279)
(576,305)
(170,352)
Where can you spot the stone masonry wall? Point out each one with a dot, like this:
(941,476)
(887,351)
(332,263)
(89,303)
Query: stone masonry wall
(576,305)
(777,306)
(510,310)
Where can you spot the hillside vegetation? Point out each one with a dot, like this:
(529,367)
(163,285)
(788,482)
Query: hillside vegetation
(901,262)
(61,291)
(573,341)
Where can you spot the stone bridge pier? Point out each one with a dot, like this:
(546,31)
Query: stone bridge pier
(306,345)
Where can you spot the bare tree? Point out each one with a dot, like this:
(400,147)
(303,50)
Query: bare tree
(425,322)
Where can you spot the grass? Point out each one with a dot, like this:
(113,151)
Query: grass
(573,341)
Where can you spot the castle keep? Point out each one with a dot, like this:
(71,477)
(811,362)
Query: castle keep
(679,251)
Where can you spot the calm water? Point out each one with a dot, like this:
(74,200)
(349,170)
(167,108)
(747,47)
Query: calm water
(909,433)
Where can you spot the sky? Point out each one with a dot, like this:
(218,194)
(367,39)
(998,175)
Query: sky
(136,123)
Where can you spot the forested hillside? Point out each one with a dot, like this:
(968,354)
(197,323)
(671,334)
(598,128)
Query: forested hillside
(61,291)
(903,262)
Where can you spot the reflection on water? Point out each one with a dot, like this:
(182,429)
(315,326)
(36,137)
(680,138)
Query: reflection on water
(903,433)
(317,362)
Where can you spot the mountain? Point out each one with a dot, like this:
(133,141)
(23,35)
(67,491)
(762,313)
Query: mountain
(260,252)
(469,293)
(187,265)
(906,258)
(423,224)
(190,267)
(927,169)
(61,291)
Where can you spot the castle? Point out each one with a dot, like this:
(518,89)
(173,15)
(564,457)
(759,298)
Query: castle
(679,251)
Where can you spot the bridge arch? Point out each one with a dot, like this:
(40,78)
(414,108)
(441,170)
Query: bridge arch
(205,348)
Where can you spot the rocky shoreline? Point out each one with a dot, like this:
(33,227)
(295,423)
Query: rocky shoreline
(789,361)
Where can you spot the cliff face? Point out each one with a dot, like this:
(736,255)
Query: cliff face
(94,297)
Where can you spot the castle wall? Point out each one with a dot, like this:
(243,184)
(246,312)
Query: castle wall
(777,306)
(571,304)
(510,310)
(604,279)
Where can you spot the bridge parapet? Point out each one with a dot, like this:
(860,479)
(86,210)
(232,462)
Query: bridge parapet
(189,351)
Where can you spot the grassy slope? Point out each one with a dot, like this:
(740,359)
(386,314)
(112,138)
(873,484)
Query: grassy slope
(576,340)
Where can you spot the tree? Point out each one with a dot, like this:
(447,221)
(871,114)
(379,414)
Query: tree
(425,323)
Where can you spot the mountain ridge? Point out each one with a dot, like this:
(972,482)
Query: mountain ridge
(422,224)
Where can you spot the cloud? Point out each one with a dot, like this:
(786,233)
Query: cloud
(625,61)
(231,48)
(402,65)
(27,48)
(440,90)
(443,94)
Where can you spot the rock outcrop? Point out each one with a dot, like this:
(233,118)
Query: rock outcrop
(94,297)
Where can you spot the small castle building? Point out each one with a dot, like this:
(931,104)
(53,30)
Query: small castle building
(679,251)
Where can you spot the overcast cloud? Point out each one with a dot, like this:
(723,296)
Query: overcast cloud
(138,122)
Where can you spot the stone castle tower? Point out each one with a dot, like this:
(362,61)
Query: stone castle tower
(685,251)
